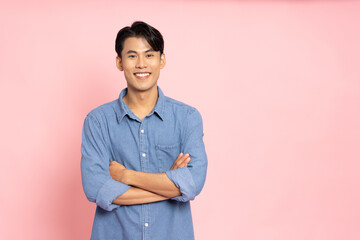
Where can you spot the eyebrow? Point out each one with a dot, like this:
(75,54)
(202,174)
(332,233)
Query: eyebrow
(132,51)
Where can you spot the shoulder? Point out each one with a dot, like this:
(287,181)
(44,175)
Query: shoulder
(178,106)
(104,112)
(183,111)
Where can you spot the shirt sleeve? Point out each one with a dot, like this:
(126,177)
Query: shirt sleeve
(190,179)
(98,185)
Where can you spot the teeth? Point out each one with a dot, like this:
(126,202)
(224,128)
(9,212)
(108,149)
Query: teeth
(142,74)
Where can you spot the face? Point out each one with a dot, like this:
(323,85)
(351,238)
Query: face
(141,64)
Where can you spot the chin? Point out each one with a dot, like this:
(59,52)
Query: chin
(143,88)
(146,87)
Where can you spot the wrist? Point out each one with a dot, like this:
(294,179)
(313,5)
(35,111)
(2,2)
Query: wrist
(126,176)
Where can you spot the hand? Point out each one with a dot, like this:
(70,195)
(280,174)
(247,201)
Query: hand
(182,160)
(117,171)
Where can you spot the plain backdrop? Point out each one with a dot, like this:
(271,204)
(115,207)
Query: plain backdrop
(277,84)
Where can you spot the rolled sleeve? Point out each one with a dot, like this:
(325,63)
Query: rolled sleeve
(191,179)
(110,190)
(182,178)
(98,185)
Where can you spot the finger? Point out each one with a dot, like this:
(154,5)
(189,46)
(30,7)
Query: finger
(179,156)
(179,162)
(184,163)
(114,163)
(181,159)
(184,157)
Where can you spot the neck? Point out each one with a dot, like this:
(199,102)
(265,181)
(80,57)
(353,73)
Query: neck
(141,103)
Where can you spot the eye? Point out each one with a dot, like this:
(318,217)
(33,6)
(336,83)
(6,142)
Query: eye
(149,55)
(132,56)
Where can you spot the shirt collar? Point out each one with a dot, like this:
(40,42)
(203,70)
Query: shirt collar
(125,110)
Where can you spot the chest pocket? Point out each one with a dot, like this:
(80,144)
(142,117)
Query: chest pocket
(166,155)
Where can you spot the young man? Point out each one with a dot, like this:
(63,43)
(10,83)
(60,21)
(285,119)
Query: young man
(143,157)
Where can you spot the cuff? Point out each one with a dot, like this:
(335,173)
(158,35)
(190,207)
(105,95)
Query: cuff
(109,192)
(182,178)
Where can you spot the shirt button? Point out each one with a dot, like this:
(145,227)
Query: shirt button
(142,131)
(144,154)
(146,224)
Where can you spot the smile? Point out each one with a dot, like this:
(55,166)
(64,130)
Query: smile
(141,74)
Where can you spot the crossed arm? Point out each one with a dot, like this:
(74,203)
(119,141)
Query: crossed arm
(111,185)
(146,187)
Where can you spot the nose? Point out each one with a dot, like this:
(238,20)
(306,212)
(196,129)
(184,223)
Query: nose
(141,62)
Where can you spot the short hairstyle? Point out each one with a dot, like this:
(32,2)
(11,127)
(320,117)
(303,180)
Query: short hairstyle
(140,29)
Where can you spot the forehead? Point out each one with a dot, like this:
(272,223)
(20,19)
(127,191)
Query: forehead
(138,44)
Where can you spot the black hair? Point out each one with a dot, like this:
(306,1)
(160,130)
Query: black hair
(140,29)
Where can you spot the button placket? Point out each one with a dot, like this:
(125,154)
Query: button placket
(144,159)
(143,148)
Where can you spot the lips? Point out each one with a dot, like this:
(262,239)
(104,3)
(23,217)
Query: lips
(142,75)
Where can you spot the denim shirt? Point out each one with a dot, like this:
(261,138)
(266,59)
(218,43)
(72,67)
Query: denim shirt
(113,132)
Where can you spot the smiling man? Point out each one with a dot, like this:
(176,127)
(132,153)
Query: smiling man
(143,156)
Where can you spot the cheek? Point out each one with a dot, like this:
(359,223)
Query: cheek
(127,72)
(155,66)
(128,69)
(128,64)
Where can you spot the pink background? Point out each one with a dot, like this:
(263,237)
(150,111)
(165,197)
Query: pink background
(277,83)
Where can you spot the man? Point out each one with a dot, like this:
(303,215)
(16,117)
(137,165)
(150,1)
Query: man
(143,157)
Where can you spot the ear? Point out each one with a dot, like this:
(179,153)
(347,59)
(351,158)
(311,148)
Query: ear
(162,61)
(119,63)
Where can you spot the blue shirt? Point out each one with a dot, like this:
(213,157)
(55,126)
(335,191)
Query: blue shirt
(113,132)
